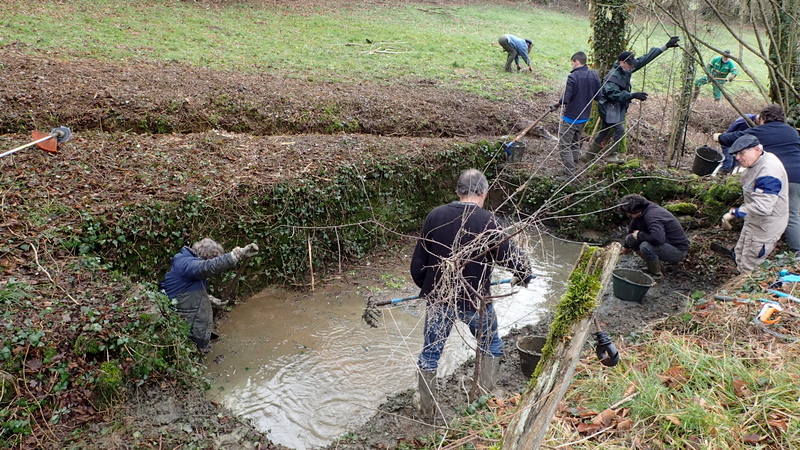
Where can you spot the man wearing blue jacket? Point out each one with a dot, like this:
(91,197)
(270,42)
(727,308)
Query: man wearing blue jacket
(740,124)
(186,284)
(581,89)
(615,97)
(783,141)
(516,48)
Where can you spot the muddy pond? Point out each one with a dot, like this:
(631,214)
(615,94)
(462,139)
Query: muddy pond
(304,367)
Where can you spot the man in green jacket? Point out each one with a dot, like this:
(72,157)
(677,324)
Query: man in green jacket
(722,69)
(614,99)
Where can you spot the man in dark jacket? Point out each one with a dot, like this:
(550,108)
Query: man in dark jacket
(781,140)
(654,233)
(582,87)
(615,97)
(452,265)
(186,283)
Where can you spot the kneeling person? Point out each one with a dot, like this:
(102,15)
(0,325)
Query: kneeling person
(654,233)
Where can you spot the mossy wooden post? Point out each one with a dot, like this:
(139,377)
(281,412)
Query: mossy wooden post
(568,334)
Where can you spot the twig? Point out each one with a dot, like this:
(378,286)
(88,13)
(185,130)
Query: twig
(623,401)
(36,259)
(310,263)
(585,439)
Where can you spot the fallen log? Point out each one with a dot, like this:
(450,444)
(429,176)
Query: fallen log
(565,343)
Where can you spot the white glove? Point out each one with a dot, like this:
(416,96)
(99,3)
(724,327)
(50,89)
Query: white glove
(217,302)
(249,250)
(715,137)
(726,220)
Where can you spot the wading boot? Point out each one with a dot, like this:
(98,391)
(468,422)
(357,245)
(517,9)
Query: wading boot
(424,399)
(614,159)
(654,267)
(487,380)
(591,152)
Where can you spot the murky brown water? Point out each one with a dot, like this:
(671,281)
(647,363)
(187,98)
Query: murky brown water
(305,368)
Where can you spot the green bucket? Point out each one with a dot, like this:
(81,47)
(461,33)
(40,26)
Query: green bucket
(631,285)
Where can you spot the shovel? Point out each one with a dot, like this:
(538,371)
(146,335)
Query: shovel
(48,142)
(507,146)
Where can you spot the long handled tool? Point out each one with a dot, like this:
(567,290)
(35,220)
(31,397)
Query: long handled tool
(507,146)
(48,142)
(372,315)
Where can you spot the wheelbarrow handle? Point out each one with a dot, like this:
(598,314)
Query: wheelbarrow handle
(414,297)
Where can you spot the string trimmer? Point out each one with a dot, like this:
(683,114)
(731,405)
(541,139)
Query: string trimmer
(48,142)
(372,314)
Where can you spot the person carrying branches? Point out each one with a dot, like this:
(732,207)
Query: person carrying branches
(452,266)
(722,69)
(186,284)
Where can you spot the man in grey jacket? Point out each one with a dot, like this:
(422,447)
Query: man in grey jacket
(765,210)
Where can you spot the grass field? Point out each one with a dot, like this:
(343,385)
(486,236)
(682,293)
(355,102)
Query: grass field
(450,45)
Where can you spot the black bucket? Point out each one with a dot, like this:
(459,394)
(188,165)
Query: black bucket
(631,285)
(515,152)
(706,159)
(530,352)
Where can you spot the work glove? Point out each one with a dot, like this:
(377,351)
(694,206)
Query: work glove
(673,42)
(554,107)
(522,282)
(731,77)
(217,303)
(716,136)
(639,96)
(726,220)
(249,250)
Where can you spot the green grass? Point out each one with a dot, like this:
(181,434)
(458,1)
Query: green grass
(453,46)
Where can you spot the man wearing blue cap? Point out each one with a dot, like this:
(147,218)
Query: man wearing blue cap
(615,97)
(765,210)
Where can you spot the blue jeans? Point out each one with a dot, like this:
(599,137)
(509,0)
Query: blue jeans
(728,162)
(439,320)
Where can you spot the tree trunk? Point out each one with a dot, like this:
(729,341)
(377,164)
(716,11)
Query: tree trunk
(561,353)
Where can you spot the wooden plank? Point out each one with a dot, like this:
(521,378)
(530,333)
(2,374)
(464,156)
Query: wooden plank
(538,405)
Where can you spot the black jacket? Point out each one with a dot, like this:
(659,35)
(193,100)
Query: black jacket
(457,227)
(582,87)
(658,226)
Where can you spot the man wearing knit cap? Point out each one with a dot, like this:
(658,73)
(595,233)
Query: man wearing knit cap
(614,99)
(516,48)
(765,210)
(186,283)
(722,70)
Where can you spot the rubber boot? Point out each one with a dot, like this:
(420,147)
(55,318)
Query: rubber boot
(488,378)
(654,267)
(424,399)
(613,158)
(591,152)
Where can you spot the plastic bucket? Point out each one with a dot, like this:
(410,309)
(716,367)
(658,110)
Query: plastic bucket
(515,152)
(631,285)
(530,352)
(706,159)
